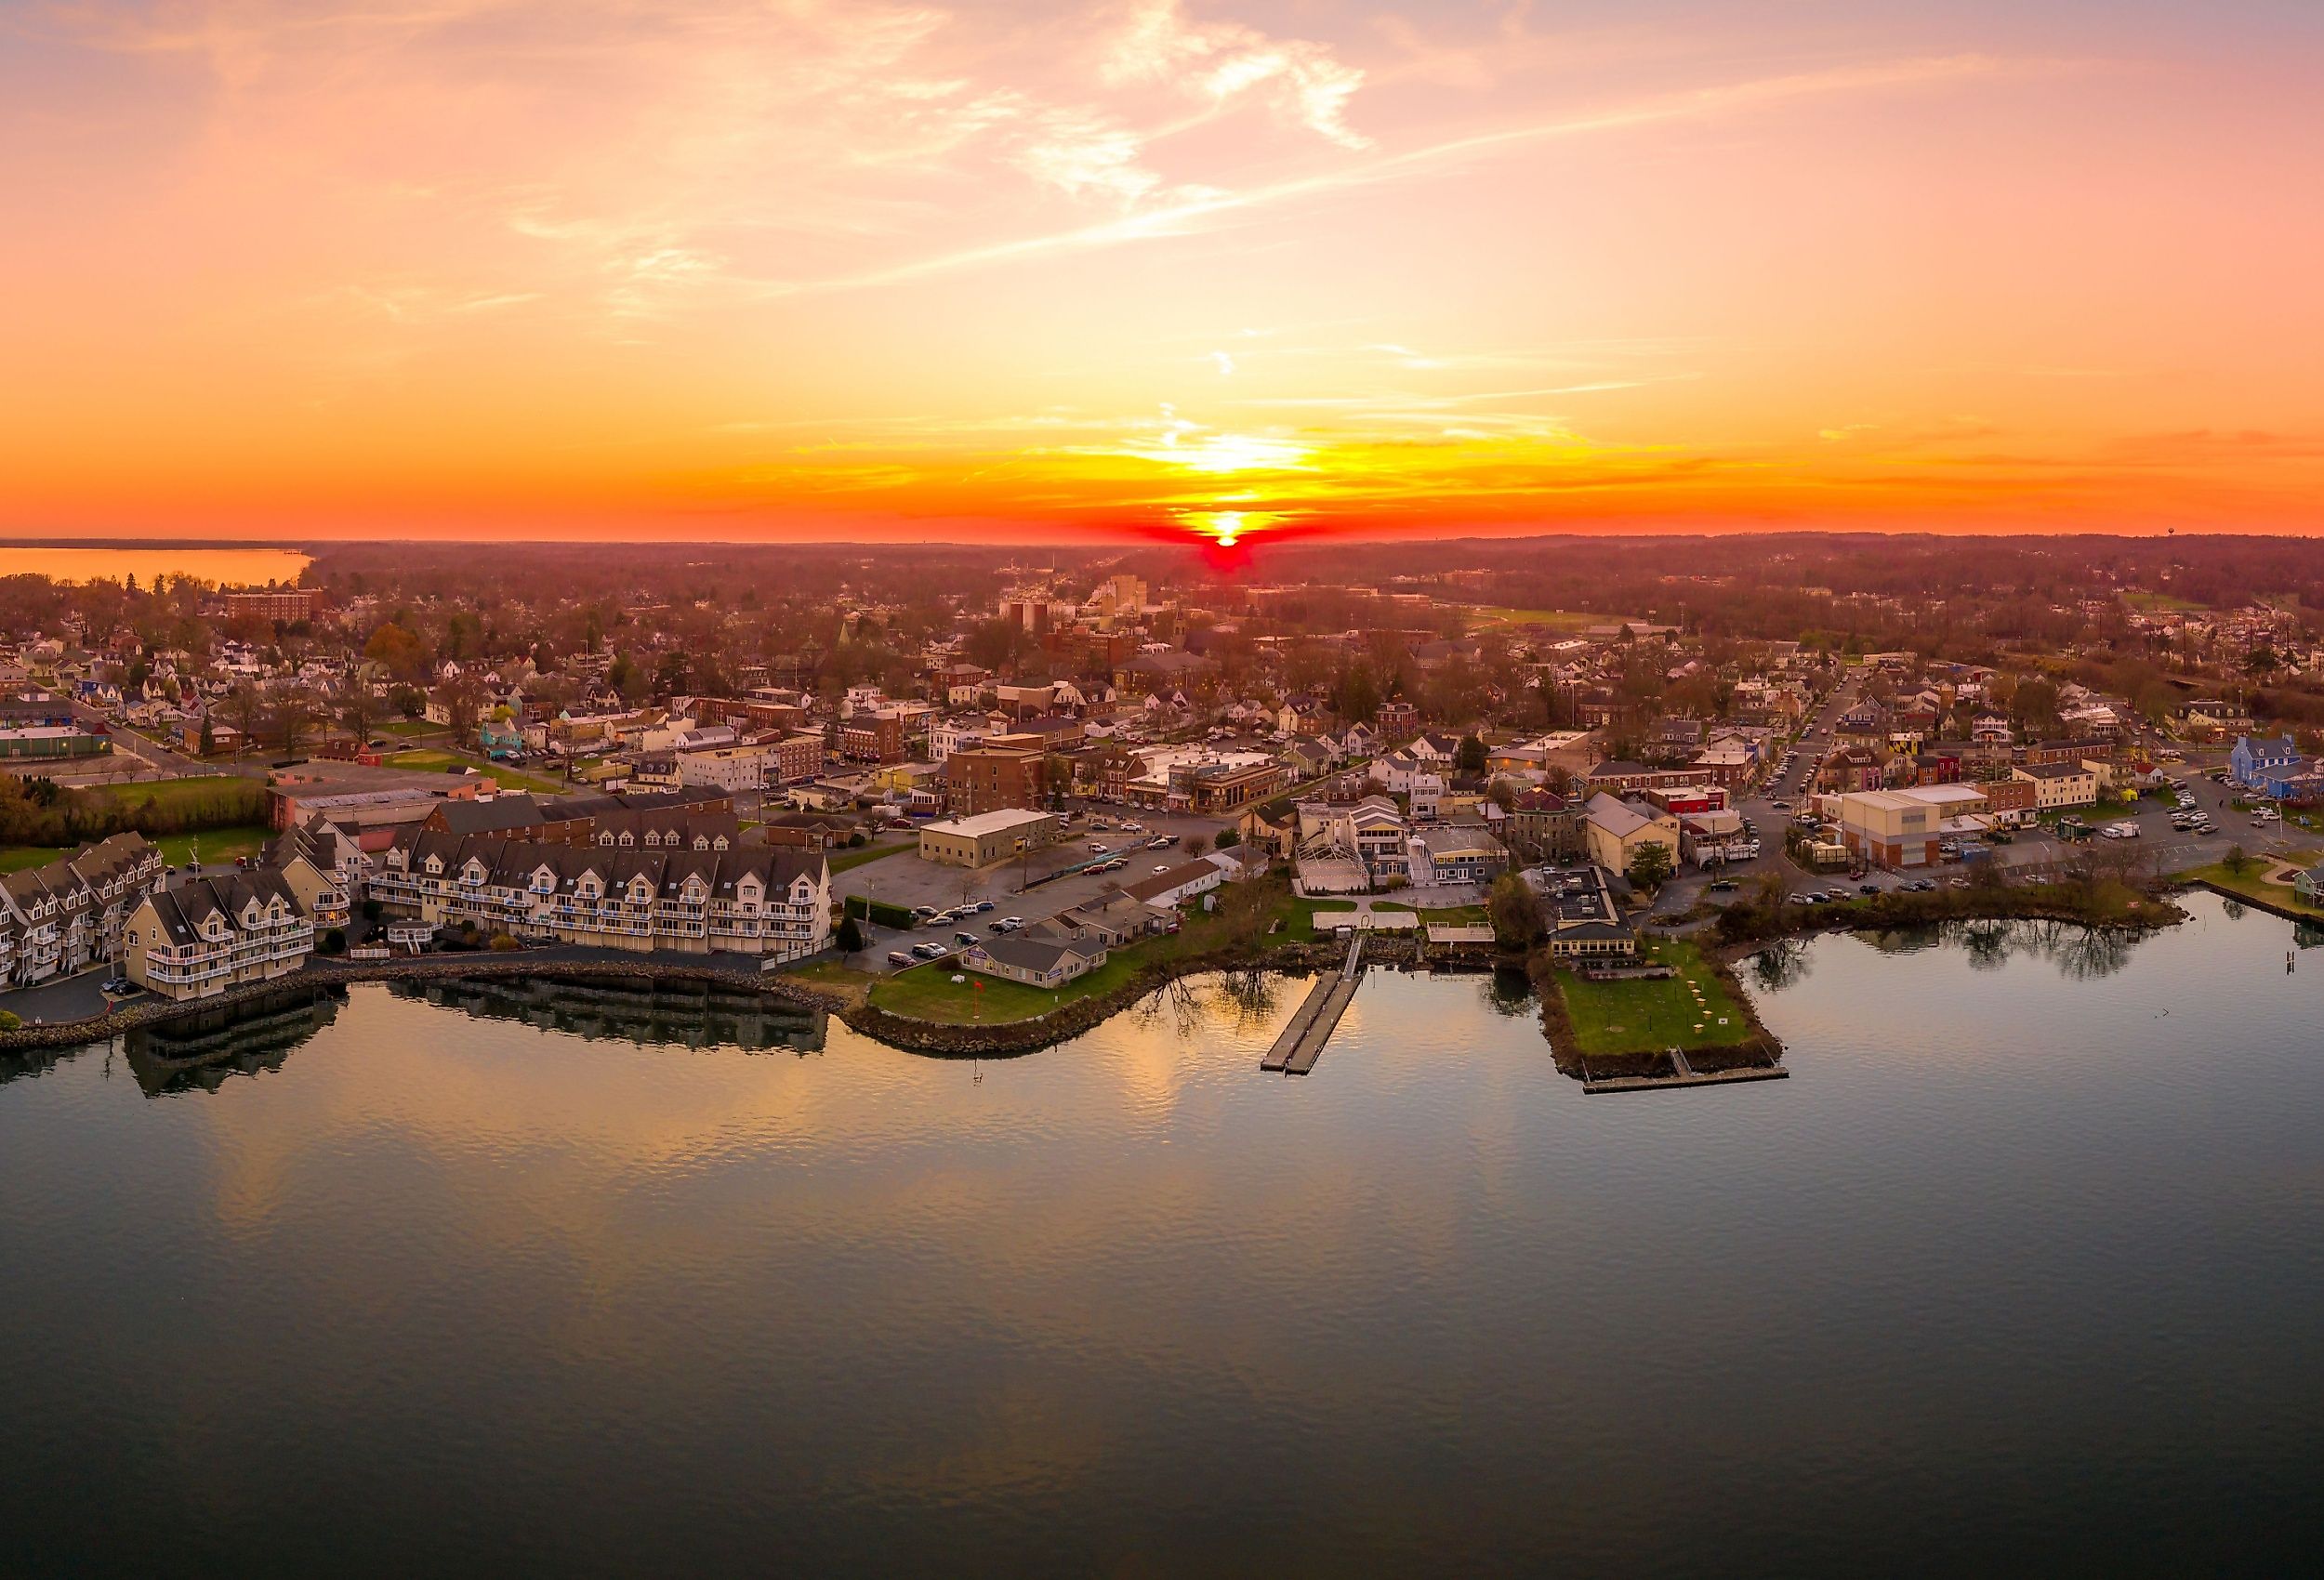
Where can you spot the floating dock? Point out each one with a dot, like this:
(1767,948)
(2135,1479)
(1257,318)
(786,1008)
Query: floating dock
(1691,1078)
(1302,1039)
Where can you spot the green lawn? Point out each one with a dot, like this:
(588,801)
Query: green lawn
(2252,886)
(174,792)
(409,727)
(216,844)
(1645,1016)
(429,761)
(847,861)
(1561,620)
(928,993)
(2153,602)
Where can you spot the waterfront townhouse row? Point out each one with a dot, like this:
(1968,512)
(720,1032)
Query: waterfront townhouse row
(324,866)
(746,899)
(211,934)
(68,914)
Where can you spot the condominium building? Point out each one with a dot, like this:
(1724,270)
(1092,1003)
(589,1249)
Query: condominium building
(211,934)
(68,914)
(700,896)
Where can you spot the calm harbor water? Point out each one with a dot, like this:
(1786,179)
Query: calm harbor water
(2022,1271)
(227,567)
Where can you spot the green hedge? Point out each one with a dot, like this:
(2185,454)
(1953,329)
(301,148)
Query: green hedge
(878,911)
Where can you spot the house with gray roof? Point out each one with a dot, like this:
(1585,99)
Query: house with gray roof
(216,933)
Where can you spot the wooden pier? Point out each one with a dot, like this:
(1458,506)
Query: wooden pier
(1302,1039)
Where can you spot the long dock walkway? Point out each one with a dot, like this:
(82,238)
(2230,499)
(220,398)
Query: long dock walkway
(1302,1039)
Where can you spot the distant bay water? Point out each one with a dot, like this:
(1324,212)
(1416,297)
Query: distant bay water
(227,567)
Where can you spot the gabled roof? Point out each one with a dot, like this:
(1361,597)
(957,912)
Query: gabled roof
(183,910)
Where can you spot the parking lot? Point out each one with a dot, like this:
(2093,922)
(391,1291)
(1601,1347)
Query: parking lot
(1028,889)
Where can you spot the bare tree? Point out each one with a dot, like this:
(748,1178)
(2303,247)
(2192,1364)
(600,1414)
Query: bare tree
(293,718)
(359,706)
(246,707)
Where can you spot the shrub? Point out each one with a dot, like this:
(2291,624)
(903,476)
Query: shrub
(878,911)
(502,943)
(333,942)
(10,1020)
(850,936)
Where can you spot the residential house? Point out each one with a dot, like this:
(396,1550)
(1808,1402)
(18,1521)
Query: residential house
(1456,852)
(2249,758)
(1036,962)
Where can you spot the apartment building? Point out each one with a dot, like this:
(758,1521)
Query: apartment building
(701,893)
(214,934)
(873,737)
(2059,783)
(993,778)
(66,916)
(286,604)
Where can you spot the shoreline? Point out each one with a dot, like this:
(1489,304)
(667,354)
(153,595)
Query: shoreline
(1008,1038)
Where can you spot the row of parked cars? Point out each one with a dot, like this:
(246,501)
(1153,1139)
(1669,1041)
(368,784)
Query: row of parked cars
(928,915)
(1835,896)
(2189,818)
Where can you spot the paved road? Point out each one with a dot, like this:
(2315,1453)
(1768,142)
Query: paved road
(68,998)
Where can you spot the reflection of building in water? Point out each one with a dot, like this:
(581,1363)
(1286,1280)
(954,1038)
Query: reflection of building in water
(2307,935)
(694,1014)
(201,1052)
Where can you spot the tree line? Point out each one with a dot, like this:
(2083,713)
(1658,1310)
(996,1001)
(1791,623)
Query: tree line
(41,812)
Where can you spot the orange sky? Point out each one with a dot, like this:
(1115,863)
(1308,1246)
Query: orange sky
(1019,269)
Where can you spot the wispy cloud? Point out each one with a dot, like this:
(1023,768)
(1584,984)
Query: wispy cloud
(1303,81)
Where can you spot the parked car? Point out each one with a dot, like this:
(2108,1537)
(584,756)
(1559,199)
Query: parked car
(964,939)
(930,951)
(898,957)
(1868,889)
(1011,924)
(1096,849)
(982,906)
